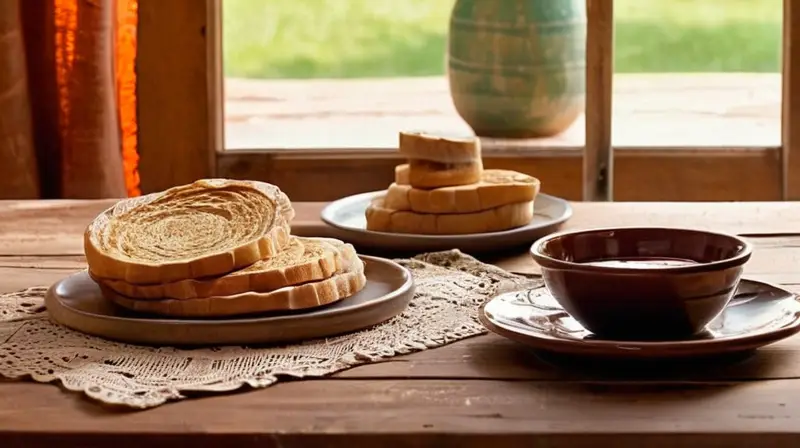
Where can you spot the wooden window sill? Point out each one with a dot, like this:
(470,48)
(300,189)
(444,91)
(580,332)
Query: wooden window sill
(729,110)
(678,136)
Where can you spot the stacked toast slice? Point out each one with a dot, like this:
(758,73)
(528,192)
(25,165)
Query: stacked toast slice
(444,190)
(212,248)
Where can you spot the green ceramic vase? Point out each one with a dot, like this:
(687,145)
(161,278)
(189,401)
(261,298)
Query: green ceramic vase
(517,67)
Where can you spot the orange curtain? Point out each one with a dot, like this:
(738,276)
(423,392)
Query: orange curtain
(67,99)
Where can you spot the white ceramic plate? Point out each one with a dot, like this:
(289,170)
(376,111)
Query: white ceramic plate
(346,216)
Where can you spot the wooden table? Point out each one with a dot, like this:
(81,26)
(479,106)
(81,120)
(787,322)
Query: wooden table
(483,391)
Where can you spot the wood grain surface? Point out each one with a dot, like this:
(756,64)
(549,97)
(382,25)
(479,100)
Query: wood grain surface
(475,392)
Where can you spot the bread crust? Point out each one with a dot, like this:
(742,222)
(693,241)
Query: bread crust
(439,147)
(223,225)
(425,174)
(383,219)
(308,295)
(496,188)
(302,260)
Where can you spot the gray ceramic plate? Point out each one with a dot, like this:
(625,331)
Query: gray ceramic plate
(759,314)
(346,216)
(77,302)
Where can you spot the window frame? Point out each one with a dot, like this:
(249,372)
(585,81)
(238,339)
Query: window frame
(181,125)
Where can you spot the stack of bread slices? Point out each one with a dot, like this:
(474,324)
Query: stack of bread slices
(215,248)
(444,190)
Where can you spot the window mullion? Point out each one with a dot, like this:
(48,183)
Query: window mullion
(598,157)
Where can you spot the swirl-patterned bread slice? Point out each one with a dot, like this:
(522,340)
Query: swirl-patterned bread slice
(302,260)
(345,283)
(210,227)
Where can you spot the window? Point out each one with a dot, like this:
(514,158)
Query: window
(676,136)
(710,69)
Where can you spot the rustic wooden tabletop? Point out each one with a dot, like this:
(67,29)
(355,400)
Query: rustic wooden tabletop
(480,391)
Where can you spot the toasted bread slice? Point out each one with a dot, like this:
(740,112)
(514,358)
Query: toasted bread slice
(210,227)
(440,148)
(341,285)
(382,219)
(425,174)
(303,260)
(496,188)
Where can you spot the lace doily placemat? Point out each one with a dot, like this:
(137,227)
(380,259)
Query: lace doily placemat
(450,287)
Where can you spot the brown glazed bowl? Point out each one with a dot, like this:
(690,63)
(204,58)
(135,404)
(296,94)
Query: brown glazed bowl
(643,283)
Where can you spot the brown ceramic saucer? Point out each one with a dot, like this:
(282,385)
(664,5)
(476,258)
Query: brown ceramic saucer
(759,314)
(76,302)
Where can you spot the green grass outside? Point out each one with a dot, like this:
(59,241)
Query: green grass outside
(381,38)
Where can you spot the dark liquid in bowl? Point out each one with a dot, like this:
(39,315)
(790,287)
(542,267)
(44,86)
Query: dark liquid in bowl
(642,262)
